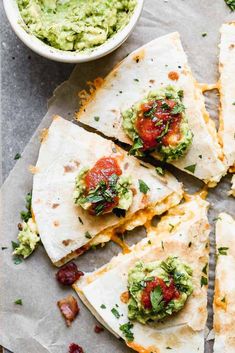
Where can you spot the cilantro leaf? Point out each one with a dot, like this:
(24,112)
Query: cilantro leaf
(96,118)
(204,270)
(204,281)
(191,168)
(223,250)
(18,302)
(160,171)
(231,4)
(17,156)
(156,299)
(115,313)
(103,306)
(88,235)
(25,215)
(137,145)
(143,187)
(178,108)
(126,329)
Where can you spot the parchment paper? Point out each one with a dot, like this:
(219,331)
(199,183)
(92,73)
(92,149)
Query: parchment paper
(37,325)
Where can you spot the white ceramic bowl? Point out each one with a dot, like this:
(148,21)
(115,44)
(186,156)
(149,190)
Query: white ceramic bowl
(49,52)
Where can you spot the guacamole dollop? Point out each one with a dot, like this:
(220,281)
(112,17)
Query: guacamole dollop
(108,192)
(158,289)
(28,239)
(158,123)
(75,25)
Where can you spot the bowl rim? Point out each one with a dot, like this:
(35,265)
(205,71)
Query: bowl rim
(49,52)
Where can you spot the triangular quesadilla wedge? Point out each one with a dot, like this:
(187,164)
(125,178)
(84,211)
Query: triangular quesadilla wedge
(224,299)
(227,89)
(227,96)
(69,161)
(152,102)
(182,234)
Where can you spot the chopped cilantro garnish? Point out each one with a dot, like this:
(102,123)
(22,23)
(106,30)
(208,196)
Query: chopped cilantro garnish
(160,171)
(171,227)
(149,242)
(223,250)
(191,168)
(190,244)
(216,219)
(180,92)
(164,132)
(204,281)
(18,302)
(138,144)
(96,118)
(80,220)
(204,34)
(223,300)
(204,270)
(168,348)
(88,235)
(162,245)
(115,313)
(231,4)
(17,156)
(4,247)
(200,156)
(17,260)
(136,80)
(143,187)
(14,245)
(156,299)
(178,108)
(103,306)
(26,215)
(126,329)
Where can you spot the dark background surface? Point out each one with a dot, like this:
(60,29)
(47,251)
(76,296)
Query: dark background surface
(27,81)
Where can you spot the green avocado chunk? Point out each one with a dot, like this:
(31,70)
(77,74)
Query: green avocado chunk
(119,186)
(75,25)
(168,152)
(28,239)
(172,269)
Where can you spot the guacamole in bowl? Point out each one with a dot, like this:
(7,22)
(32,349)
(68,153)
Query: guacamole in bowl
(75,25)
(158,289)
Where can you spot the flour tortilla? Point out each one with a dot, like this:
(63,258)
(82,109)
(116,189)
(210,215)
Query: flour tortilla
(224,313)
(189,239)
(227,89)
(65,150)
(142,71)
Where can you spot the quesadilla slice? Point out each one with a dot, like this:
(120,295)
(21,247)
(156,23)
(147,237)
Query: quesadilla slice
(155,297)
(85,187)
(227,97)
(227,89)
(152,102)
(224,299)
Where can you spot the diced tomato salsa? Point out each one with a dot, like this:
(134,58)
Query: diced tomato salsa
(169,291)
(156,123)
(103,169)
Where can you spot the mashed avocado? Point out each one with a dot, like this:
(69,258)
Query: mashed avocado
(173,139)
(118,187)
(75,24)
(158,289)
(28,238)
